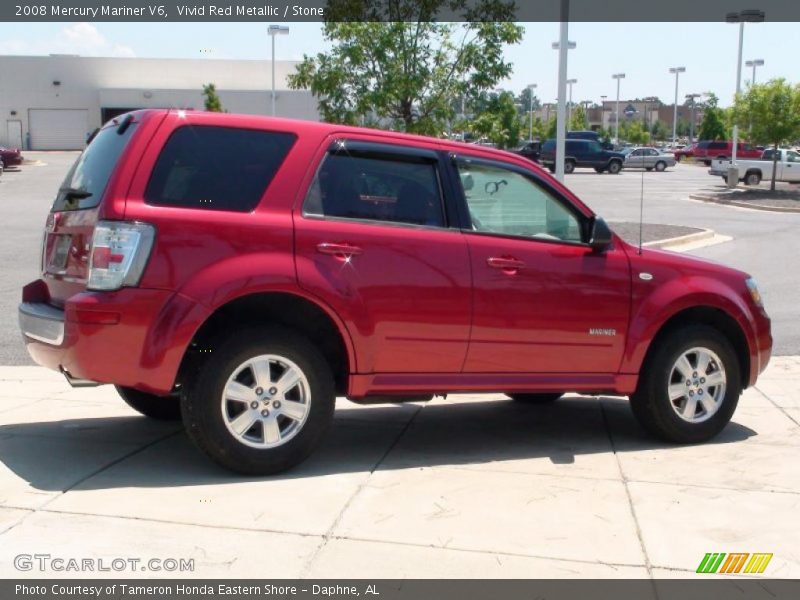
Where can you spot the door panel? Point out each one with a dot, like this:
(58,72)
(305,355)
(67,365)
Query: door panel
(543,302)
(538,318)
(369,245)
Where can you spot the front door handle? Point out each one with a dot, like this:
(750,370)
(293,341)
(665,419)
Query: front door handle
(338,250)
(507,264)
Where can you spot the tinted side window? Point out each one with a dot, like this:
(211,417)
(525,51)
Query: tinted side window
(717,145)
(377,188)
(505,202)
(216,168)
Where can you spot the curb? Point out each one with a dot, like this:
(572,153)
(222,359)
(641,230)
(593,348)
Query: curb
(736,203)
(681,240)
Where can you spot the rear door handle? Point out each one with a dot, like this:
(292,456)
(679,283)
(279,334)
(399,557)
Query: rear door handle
(505,263)
(339,250)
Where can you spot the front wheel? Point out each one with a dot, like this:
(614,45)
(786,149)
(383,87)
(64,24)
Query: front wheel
(161,408)
(689,387)
(614,167)
(262,401)
(534,398)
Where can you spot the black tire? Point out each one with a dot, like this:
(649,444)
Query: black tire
(534,398)
(752,178)
(201,401)
(614,167)
(552,168)
(162,408)
(651,404)
(660,166)
(569,166)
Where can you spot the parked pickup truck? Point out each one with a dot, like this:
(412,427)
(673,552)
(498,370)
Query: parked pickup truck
(753,171)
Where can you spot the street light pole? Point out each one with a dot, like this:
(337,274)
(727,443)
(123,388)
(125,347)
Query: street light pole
(569,104)
(618,77)
(758,62)
(692,124)
(562,46)
(742,17)
(274,30)
(531,87)
(677,71)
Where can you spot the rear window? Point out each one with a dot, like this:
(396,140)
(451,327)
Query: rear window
(216,168)
(86,181)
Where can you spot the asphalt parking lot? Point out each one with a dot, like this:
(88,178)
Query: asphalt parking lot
(468,486)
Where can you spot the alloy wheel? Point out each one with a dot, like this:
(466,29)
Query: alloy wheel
(696,385)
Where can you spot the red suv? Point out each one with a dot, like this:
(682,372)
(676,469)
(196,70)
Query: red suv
(241,272)
(708,151)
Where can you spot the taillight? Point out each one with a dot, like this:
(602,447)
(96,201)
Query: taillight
(119,255)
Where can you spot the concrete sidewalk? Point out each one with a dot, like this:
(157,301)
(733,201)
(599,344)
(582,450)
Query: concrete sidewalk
(471,486)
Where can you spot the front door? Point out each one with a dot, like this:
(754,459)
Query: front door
(14,133)
(374,242)
(544,301)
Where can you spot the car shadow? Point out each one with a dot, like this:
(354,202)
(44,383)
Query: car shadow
(362,439)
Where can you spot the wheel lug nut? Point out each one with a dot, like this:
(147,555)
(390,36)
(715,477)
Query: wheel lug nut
(688,383)
(259,391)
(273,391)
(276,404)
(691,392)
(265,413)
(702,380)
(254,405)
(694,374)
(700,392)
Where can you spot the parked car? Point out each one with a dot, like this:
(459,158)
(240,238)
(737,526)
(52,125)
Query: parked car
(11,157)
(708,151)
(752,172)
(310,260)
(685,152)
(648,158)
(582,153)
(530,150)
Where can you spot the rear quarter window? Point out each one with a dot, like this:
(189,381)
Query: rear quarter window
(216,168)
(86,181)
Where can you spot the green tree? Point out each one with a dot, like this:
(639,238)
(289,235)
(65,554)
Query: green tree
(408,67)
(637,134)
(499,121)
(577,121)
(772,113)
(524,101)
(713,126)
(660,131)
(211,99)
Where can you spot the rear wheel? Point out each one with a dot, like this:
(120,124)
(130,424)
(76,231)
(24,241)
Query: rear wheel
(262,401)
(534,398)
(752,178)
(162,408)
(614,167)
(660,166)
(569,166)
(689,387)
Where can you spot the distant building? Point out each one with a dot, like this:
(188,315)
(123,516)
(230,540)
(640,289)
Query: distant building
(54,102)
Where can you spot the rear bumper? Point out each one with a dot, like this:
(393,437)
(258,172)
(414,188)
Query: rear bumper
(132,337)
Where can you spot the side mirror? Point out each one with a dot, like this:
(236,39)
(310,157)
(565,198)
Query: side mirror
(600,238)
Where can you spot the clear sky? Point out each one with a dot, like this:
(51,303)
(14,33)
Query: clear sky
(644,51)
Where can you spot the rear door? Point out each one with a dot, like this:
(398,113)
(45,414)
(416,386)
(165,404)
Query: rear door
(374,241)
(790,167)
(544,302)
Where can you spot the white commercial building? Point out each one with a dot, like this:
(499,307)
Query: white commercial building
(54,102)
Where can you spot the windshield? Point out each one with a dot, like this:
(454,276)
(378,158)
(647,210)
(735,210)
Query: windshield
(86,181)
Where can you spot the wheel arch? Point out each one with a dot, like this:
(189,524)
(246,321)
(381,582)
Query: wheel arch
(288,308)
(712,316)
